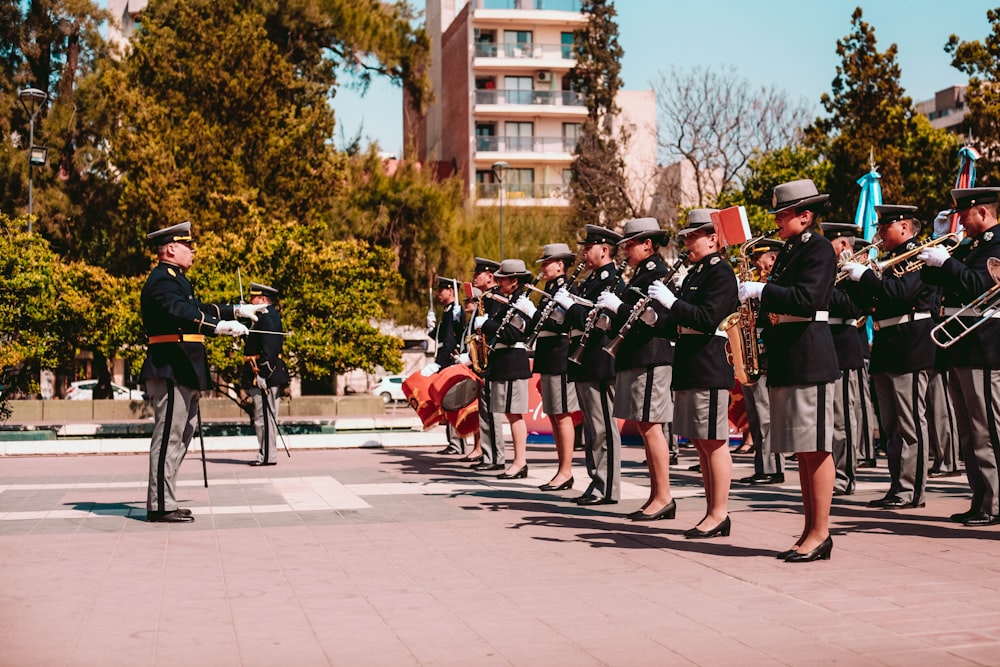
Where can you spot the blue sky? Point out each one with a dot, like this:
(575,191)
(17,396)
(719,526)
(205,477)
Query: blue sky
(787,43)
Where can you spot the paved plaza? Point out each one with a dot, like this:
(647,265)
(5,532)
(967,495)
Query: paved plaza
(398,556)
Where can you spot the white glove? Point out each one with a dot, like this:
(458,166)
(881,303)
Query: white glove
(609,301)
(430,369)
(934,256)
(248,311)
(262,383)
(524,305)
(431,319)
(231,328)
(479,321)
(464,359)
(660,292)
(854,270)
(456,310)
(563,299)
(750,290)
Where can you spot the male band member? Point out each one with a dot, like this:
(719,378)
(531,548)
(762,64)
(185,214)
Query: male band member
(867,454)
(446,336)
(176,367)
(768,467)
(902,355)
(702,374)
(802,362)
(942,428)
(490,432)
(974,361)
(264,372)
(844,314)
(592,370)
(642,362)
(551,352)
(469,306)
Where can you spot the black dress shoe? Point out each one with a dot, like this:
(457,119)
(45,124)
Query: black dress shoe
(472,459)
(982,519)
(596,500)
(173,516)
(586,499)
(450,450)
(673,459)
(520,474)
(944,473)
(257,464)
(185,512)
(488,467)
(722,529)
(764,478)
(669,511)
(549,486)
(695,468)
(821,552)
(887,502)
(867,463)
(962,516)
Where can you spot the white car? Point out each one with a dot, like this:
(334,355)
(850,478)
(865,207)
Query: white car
(390,388)
(83,390)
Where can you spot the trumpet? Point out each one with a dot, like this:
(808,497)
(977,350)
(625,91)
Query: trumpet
(907,262)
(984,307)
(862,256)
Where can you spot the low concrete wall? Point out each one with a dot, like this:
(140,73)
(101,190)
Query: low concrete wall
(60,412)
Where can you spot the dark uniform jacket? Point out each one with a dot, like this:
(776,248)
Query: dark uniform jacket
(595,364)
(509,358)
(906,347)
(641,345)
(708,295)
(964,277)
(551,350)
(800,284)
(850,352)
(448,335)
(264,352)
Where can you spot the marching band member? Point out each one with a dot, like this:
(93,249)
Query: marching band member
(844,314)
(592,370)
(867,453)
(702,375)
(470,305)
(642,362)
(802,362)
(446,336)
(974,361)
(551,352)
(902,356)
(490,432)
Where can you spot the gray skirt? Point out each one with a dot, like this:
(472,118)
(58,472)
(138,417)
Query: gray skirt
(702,414)
(509,396)
(802,418)
(558,395)
(642,394)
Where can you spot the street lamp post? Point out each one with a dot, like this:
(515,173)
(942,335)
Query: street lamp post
(499,169)
(33,99)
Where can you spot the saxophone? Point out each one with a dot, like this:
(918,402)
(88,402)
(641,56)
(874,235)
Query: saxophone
(478,346)
(743,346)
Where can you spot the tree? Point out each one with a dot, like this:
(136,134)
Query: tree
(714,121)
(599,189)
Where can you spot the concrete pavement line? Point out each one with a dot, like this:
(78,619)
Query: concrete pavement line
(335,494)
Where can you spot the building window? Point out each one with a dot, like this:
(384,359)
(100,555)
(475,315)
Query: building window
(520,182)
(571,135)
(517,43)
(567,46)
(519,136)
(486,43)
(519,89)
(486,139)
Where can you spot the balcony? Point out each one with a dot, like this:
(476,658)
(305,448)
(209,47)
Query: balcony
(546,5)
(547,98)
(527,51)
(547,145)
(516,191)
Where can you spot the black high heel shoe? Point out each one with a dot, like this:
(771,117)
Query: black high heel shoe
(722,529)
(669,511)
(821,552)
(549,486)
(520,474)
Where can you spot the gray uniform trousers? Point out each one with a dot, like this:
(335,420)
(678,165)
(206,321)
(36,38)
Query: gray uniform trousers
(846,430)
(866,443)
(758,407)
(490,431)
(975,395)
(597,401)
(455,441)
(902,406)
(266,426)
(943,429)
(175,417)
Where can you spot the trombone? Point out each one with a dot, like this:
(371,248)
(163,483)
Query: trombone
(862,256)
(984,307)
(907,262)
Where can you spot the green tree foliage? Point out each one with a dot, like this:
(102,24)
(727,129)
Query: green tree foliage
(869,112)
(599,190)
(980,60)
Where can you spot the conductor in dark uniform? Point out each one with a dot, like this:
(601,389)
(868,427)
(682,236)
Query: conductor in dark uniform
(264,372)
(176,367)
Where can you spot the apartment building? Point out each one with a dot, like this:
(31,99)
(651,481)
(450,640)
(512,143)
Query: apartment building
(946,109)
(499,74)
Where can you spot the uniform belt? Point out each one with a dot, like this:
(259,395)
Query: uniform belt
(853,321)
(948,311)
(781,318)
(688,331)
(575,333)
(549,334)
(515,346)
(177,338)
(902,319)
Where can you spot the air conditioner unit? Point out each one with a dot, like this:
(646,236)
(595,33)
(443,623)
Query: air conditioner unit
(543,76)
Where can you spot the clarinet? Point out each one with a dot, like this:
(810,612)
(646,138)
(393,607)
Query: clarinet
(551,306)
(593,316)
(639,308)
(509,315)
